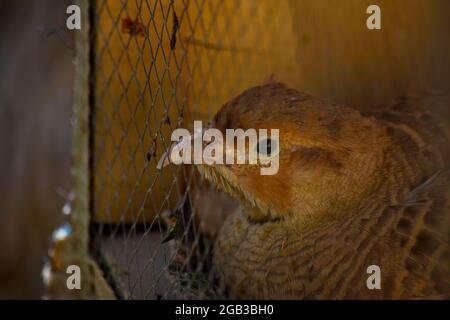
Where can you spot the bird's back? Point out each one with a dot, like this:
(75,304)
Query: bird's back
(425,120)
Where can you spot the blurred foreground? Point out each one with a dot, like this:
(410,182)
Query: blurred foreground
(35,136)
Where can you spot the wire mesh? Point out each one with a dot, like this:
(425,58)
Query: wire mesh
(158,65)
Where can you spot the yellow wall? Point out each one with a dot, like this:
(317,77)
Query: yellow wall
(133,92)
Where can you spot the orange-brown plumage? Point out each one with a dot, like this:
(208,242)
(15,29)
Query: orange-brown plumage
(352,190)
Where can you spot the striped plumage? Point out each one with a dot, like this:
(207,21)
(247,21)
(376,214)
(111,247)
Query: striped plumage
(353,190)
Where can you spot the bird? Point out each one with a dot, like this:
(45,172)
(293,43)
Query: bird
(354,189)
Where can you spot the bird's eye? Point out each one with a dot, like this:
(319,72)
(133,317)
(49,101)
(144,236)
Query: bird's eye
(267,147)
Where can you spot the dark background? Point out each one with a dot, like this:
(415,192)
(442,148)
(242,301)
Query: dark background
(36,75)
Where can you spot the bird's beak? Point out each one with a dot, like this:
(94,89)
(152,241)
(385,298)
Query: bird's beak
(165,158)
(176,147)
(197,139)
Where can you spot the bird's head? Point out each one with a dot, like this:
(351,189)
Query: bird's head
(328,155)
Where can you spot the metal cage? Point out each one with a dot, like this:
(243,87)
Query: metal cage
(147,67)
(144,69)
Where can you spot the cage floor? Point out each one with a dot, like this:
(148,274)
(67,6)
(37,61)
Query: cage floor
(140,264)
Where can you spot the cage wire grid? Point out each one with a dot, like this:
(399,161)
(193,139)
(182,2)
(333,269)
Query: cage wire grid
(156,66)
(144,68)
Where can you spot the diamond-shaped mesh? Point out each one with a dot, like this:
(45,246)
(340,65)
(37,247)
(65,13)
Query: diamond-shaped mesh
(158,66)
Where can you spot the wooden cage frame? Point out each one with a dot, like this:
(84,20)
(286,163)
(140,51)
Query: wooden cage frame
(75,249)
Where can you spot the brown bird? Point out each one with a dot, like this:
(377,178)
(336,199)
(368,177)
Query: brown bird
(352,190)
